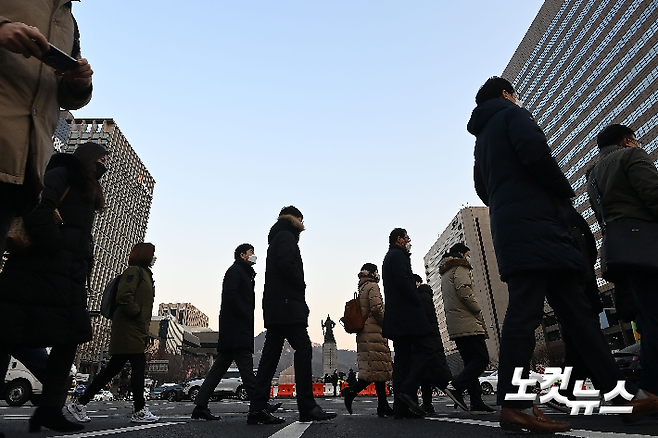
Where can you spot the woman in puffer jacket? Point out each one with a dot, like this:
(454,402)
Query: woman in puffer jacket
(373,354)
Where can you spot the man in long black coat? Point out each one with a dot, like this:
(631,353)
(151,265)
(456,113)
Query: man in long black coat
(406,325)
(236,330)
(529,205)
(286,317)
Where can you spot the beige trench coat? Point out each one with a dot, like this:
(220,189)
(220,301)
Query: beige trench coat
(31,95)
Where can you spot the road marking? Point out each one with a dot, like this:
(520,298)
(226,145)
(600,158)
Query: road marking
(576,433)
(294,430)
(116,431)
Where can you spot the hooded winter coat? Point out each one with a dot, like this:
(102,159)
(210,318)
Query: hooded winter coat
(372,353)
(284,297)
(527,193)
(236,316)
(404,315)
(42,293)
(132,317)
(31,94)
(463,312)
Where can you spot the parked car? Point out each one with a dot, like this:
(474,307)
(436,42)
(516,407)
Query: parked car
(168,391)
(230,385)
(628,361)
(20,384)
(104,395)
(489,384)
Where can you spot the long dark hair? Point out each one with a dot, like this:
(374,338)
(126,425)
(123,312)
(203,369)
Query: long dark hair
(88,153)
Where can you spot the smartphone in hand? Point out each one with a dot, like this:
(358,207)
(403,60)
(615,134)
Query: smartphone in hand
(59,60)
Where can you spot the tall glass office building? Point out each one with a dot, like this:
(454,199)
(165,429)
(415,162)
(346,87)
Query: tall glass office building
(582,65)
(128,188)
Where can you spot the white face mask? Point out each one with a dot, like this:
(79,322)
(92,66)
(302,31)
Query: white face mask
(252,258)
(408,246)
(153,261)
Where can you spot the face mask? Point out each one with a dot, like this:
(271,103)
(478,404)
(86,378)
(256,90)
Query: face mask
(468,259)
(408,246)
(153,261)
(100,170)
(252,258)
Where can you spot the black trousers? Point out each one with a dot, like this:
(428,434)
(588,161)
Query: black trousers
(473,350)
(524,314)
(245,362)
(412,355)
(114,367)
(297,336)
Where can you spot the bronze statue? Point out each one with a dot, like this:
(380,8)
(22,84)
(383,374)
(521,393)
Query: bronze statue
(328,330)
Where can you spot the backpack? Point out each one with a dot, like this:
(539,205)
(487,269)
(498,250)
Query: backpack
(352,319)
(109,300)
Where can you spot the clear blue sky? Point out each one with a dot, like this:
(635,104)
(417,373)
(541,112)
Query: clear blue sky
(354,111)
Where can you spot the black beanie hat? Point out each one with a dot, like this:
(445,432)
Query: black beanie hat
(459,248)
(291,210)
(370,267)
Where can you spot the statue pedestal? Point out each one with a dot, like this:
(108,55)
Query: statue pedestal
(329,357)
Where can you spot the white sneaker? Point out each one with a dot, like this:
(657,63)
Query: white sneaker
(78,411)
(144,416)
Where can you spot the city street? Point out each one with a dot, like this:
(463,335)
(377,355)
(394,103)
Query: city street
(113,419)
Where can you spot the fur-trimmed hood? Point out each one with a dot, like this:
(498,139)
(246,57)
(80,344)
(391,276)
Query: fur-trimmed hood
(450,261)
(366,277)
(286,222)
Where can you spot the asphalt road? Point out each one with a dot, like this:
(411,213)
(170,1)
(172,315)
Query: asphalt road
(113,419)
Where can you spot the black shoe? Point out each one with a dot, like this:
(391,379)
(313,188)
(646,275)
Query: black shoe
(384,411)
(53,419)
(200,413)
(263,417)
(273,408)
(456,396)
(411,404)
(316,414)
(429,409)
(349,395)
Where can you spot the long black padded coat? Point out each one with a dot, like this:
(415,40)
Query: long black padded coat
(527,193)
(404,315)
(236,315)
(42,293)
(284,297)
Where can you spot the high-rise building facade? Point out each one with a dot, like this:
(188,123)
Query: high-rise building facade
(582,65)
(470,226)
(128,188)
(185,313)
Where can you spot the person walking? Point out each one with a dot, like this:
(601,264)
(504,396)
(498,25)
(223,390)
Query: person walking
(42,291)
(129,335)
(285,314)
(406,324)
(438,373)
(627,184)
(372,353)
(31,94)
(529,201)
(465,323)
(236,331)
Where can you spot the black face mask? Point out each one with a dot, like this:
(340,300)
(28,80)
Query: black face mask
(100,170)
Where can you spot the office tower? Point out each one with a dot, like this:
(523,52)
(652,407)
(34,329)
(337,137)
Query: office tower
(128,188)
(185,313)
